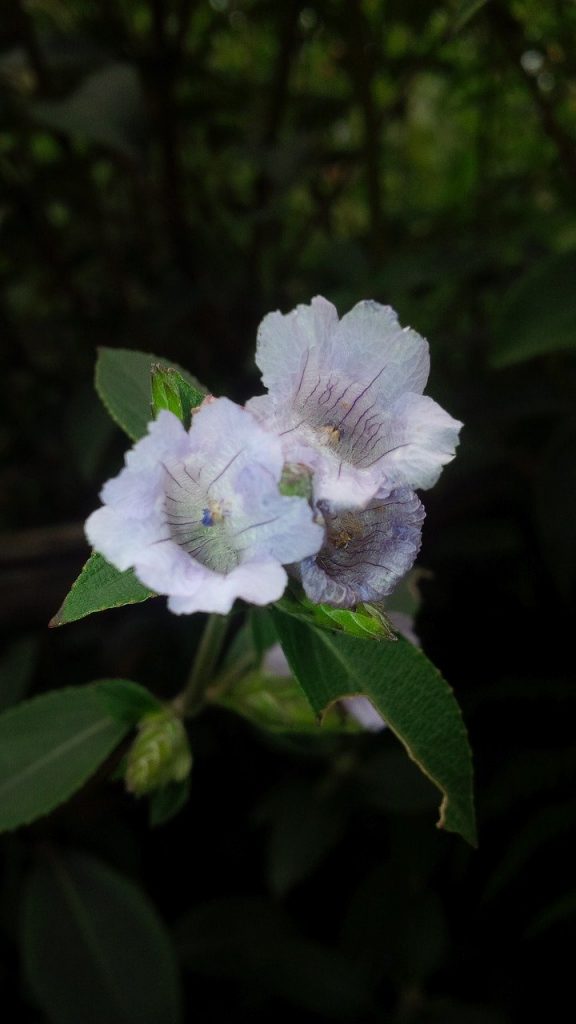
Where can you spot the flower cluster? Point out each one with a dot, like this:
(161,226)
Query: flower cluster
(317,476)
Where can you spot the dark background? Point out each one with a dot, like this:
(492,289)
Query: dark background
(170,173)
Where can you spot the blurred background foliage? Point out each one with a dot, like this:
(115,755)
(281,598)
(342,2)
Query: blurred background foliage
(171,171)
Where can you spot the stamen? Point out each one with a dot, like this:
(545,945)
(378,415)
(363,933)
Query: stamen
(341,539)
(214,513)
(330,434)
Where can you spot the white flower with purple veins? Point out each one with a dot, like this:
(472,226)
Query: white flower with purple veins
(346,399)
(198,514)
(366,551)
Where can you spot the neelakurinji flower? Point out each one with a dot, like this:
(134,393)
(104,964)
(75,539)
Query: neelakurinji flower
(198,514)
(346,399)
(366,551)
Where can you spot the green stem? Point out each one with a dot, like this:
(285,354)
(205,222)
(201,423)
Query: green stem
(191,699)
(229,677)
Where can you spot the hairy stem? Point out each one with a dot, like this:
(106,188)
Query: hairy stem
(191,699)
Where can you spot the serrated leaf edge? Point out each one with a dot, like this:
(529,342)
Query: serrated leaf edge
(56,619)
(70,744)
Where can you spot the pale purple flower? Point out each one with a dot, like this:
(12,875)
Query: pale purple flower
(275,663)
(362,710)
(346,399)
(404,623)
(198,515)
(366,551)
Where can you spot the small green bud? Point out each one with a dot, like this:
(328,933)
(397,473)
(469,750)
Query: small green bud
(296,481)
(382,623)
(160,753)
(171,391)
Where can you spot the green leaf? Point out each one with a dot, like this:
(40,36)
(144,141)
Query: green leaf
(305,823)
(530,841)
(256,944)
(167,802)
(385,778)
(278,705)
(49,747)
(171,391)
(16,670)
(94,948)
(107,108)
(538,315)
(123,383)
(263,632)
(556,912)
(466,10)
(127,701)
(407,690)
(366,621)
(98,587)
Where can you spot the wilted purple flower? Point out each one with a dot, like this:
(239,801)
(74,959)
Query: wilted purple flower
(198,515)
(366,551)
(346,398)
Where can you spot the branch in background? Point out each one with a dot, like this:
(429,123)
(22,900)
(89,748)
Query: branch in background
(278,92)
(35,55)
(27,201)
(511,37)
(165,67)
(321,216)
(185,14)
(36,568)
(361,67)
(40,543)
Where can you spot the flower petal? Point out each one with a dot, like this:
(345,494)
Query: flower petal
(108,532)
(419,439)
(287,342)
(259,583)
(366,552)
(374,349)
(198,515)
(345,400)
(364,712)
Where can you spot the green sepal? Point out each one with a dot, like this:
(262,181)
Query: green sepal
(366,621)
(171,391)
(160,754)
(122,381)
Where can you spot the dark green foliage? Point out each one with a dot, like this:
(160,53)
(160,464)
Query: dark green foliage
(94,948)
(170,173)
(409,693)
(50,746)
(98,587)
(124,383)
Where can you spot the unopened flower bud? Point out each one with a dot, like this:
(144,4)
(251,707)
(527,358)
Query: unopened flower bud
(160,753)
